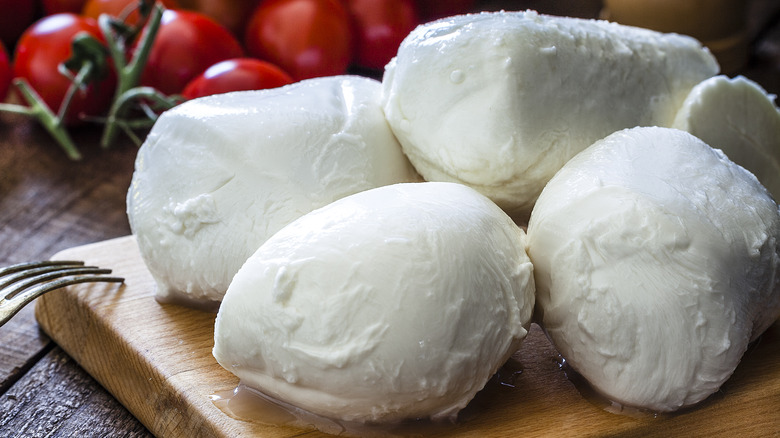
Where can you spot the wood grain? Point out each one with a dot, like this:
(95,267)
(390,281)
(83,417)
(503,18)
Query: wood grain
(156,359)
(56,399)
(47,204)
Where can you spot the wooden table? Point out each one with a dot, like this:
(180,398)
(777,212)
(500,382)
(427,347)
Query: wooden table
(48,204)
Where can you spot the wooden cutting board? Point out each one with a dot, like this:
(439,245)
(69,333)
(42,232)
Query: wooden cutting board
(156,360)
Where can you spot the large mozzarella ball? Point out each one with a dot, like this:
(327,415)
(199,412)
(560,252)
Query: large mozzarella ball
(219,175)
(656,263)
(500,101)
(395,303)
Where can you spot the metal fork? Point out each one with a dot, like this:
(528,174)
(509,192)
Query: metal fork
(23,282)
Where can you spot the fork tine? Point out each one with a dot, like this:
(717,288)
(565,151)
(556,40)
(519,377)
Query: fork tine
(30,265)
(15,273)
(46,275)
(26,296)
(31,280)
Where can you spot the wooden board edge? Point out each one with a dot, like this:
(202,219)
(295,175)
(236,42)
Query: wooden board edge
(125,375)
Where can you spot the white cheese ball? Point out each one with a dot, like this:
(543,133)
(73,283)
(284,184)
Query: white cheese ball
(656,264)
(395,303)
(219,175)
(740,118)
(500,101)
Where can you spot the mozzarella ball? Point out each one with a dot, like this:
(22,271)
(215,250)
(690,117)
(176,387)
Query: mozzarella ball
(656,264)
(500,101)
(740,118)
(219,175)
(395,303)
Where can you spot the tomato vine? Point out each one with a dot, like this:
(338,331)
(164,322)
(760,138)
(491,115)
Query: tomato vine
(124,49)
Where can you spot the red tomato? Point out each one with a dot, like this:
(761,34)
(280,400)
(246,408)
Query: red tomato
(233,14)
(433,9)
(46,44)
(5,72)
(186,45)
(306,38)
(16,15)
(236,75)
(51,7)
(115,8)
(380,26)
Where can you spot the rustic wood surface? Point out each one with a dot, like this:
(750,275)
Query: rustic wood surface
(156,359)
(49,204)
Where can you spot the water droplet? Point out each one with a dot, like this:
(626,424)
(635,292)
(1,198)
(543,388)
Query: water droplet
(457,76)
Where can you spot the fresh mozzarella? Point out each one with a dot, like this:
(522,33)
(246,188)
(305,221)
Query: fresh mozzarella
(500,101)
(656,263)
(739,117)
(395,303)
(219,175)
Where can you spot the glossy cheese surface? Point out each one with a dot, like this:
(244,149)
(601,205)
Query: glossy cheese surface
(656,263)
(500,101)
(739,117)
(219,175)
(395,303)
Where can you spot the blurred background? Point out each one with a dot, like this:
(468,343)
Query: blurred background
(738,32)
(301,39)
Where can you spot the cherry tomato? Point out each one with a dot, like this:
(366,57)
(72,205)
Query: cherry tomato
(46,44)
(5,72)
(433,9)
(115,8)
(15,16)
(380,26)
(306,38)
(236,75)
(187,43)
(233,14)
(51,7)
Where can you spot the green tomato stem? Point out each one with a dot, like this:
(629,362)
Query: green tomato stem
(76,84)
(136,66)
(128,74)
(147,93)
(50,121)
(16,109)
